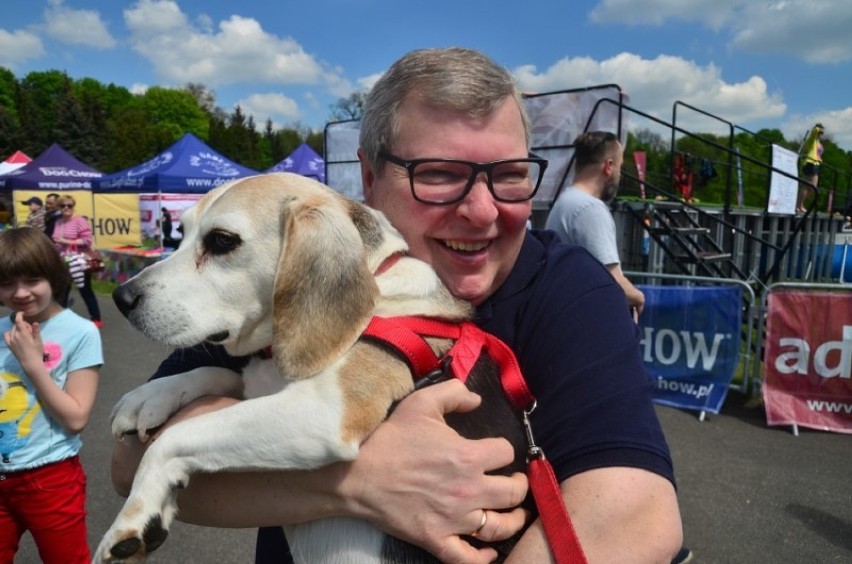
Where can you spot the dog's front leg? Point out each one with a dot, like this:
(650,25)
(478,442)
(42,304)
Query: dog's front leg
(301,427)
(151,404)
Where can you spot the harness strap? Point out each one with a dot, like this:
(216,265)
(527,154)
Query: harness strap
(406,334)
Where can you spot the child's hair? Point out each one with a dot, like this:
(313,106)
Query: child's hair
(26,251)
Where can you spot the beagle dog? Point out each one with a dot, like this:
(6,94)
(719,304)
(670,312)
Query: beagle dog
(283,264)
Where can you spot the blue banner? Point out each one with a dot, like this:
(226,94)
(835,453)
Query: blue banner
(690,342)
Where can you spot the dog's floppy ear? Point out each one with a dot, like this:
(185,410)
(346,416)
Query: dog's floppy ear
(324,290)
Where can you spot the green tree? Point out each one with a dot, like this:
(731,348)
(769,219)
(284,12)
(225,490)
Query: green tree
(40,96)
(350,107)
(175,112)
(73,129)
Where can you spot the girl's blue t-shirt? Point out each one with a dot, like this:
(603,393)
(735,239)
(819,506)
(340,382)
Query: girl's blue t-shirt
(29,437)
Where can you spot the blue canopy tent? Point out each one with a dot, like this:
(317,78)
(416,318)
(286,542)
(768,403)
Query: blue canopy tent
(189,166)
(303,160)
(54,170)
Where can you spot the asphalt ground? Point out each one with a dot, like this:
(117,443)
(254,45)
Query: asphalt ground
(748,492)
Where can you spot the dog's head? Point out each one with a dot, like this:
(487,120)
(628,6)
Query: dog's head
(277,260)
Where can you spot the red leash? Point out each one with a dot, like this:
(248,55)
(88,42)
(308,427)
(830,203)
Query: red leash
(406,334)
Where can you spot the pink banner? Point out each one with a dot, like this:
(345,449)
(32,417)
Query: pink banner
(808,360)
(640,160)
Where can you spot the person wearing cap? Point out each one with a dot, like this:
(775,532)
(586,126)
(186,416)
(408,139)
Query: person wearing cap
(35,219)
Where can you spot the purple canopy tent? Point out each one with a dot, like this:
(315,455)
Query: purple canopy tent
(303,160)
(189,166)
(54,170)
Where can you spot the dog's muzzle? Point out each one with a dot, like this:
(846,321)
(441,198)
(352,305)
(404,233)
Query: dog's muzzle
(126,300)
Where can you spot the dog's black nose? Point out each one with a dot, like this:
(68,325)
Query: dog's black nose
(125,299)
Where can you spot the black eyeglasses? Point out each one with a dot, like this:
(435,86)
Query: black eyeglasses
(447,181)
(71,206)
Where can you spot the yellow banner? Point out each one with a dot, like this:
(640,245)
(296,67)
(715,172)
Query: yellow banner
(116,220)
(114,217)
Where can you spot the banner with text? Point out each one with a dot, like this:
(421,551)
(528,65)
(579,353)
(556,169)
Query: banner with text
(116,220)
(690,342)
(808,359)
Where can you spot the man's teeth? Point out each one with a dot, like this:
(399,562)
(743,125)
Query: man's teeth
(462,246)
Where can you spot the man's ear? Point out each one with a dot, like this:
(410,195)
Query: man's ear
(368,176)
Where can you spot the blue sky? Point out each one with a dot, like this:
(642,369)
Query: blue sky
(756,63)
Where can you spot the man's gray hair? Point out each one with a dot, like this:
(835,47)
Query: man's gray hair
(453,79)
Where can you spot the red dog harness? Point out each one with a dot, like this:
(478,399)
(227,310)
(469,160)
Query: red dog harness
(406,335)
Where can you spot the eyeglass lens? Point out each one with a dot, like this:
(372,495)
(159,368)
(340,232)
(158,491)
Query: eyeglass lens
(438,181)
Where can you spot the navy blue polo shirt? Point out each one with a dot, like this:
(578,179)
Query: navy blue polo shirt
(568,322)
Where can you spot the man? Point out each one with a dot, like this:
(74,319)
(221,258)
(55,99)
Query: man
(580,216)
(51,213)
(555,306)
(35,218)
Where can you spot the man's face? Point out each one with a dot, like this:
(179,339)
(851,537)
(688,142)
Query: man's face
(472,244)
(610,188)
(50,203)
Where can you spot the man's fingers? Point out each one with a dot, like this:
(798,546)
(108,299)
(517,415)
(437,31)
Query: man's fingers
(449,397)
(502,525)
(506,492)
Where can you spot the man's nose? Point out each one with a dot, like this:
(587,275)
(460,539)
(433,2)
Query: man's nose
(479,206)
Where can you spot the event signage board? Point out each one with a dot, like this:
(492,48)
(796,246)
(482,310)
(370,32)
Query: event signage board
(808,359)
(690,343)
(783,189)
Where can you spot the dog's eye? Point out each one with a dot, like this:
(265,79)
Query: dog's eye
(218,242)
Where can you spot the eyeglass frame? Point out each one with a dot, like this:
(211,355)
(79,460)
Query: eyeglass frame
(476,168)
(66,206)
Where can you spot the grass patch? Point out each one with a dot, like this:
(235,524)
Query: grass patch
(104,287)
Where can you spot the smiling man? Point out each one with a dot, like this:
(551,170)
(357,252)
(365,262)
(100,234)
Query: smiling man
(445,155)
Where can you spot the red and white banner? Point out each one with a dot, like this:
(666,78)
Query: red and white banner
(640,159)
(808,359)
(150,206)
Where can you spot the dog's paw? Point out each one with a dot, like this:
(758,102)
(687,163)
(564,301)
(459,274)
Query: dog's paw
(144,409)
(128,545)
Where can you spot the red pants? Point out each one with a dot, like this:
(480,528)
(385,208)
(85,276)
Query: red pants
(50,503)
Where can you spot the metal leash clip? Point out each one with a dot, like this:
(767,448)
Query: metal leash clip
(533,450)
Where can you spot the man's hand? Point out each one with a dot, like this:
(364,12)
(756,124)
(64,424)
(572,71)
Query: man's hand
(419,480)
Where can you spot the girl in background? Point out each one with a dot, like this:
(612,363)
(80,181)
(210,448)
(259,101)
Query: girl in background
(49,363)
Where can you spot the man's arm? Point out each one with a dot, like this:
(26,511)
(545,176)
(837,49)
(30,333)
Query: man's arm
(437,493)
(635,297)
(620,515)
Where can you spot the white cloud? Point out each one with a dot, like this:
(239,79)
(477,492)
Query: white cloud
(238,50)
(18,46)
(76,27)
(838,126)
(653,85)
(277,107)
(816,32)
(713,13)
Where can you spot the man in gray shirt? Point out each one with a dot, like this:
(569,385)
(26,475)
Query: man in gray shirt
(580,216)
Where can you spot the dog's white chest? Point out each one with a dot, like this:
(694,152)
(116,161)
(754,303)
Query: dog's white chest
(261,378)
